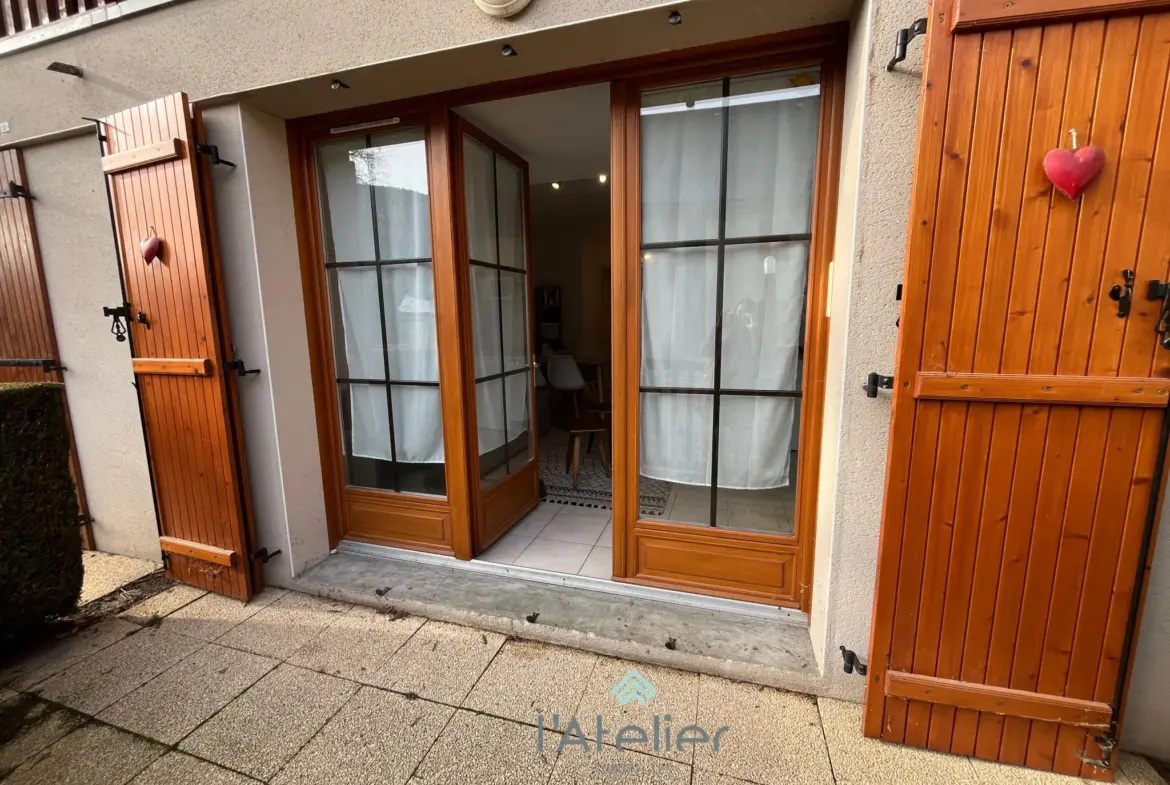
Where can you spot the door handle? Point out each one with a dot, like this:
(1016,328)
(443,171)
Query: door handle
(1159,290)
(1123,294)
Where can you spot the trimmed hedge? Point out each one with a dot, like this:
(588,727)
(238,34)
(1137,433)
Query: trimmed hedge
(40,539)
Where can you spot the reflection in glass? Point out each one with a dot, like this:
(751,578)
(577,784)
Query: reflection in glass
(727,182)
(375,214)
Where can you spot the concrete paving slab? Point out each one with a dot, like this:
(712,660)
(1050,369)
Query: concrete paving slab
(261,730)
(988,773)
(162,604)
(857,759)
(677,695)
(284,626)
(527,679)
(175,768)
(1136,770)
(771,737)
(364,576)
(710,778)
(357,643)
(92,755)
(441,662)
(57,655)
(28,725)
(213,615)
(610,766)
(105,572)
(378,738)
(179,700)
(479,750)
(98,681)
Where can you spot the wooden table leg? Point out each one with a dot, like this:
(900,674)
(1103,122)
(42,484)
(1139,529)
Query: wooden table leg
(576,447)
(605,455)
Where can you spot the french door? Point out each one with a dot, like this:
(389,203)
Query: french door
(490,185)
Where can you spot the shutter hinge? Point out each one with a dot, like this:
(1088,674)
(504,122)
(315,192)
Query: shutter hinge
(1107,743)
(15,191)
(264,556)
(875,382)
(239,367)
(853,663)
(905,36)
(212,151)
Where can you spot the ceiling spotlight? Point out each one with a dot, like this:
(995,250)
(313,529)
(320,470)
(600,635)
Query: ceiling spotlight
(556,186)
(65,68)
(508,51)
(601,178)
(675,18)
(337,84)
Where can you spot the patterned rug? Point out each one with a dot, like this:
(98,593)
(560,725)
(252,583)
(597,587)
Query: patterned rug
(594,487)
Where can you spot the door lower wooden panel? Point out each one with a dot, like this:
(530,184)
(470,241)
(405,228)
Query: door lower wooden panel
(700,559)
(398,520)
(507,502)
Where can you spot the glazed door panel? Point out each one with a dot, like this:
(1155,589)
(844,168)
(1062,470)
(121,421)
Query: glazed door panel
(491,194)
(1025,450)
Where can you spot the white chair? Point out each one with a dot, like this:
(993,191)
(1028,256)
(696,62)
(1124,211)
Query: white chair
(565,376)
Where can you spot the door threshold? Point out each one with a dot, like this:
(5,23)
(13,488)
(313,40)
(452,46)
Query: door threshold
(701,601)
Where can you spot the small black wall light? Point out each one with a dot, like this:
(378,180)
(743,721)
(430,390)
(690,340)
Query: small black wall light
(675,18)
(508,51)
(65,68)
(337,84)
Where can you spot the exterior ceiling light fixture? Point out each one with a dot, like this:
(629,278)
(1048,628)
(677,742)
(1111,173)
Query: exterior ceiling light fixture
(65,68)
(507,50)
(337,84)
(502,8)
(556,186)
(601,178)
(675,18)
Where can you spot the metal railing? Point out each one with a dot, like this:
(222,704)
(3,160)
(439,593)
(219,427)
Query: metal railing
(20,16)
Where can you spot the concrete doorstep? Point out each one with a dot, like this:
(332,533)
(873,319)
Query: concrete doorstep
(294,689)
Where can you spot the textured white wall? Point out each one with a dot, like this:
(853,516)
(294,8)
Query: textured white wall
(257,240)
(81,272)
(1147,718)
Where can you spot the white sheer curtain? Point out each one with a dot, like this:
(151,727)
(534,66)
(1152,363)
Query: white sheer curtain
(772,131)
(392,226)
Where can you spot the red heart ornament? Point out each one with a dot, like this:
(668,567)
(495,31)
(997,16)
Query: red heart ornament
(1072,171)
(151,247)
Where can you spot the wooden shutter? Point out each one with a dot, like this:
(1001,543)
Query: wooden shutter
(189,406)
(28,345)
(1025,454)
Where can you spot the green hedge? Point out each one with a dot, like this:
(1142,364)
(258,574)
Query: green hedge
(40,539)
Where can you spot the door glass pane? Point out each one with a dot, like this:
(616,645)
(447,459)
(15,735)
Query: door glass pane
(728,166)
(510,193)
(489,409)
(676,454)
(763,315)
(772,152)
(678,317)
(485,316)
(408,292)
(346,211)
(375,214)
(517,388)
(480,197)
(514,313)
(681,132)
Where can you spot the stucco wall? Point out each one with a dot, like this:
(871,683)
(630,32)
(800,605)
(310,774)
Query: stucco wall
(262,280)
(1147,718)
(81,272)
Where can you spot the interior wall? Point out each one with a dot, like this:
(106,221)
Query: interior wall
(570,249)
(257,241)
(81,274)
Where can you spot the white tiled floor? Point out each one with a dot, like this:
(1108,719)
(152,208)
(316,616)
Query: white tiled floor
(559,538)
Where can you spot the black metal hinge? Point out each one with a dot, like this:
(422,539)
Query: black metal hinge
(118,313)
(875,382)
(1107,744)
(905,36)
(212,151)
(239,367)
(853,663)
(264,556)
(15,191)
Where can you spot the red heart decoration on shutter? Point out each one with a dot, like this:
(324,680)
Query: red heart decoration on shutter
(1072,171)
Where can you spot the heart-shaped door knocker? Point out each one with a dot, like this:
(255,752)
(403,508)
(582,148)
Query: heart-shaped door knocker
(1072,171)
(151,247)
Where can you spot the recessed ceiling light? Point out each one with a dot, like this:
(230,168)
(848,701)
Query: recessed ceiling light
(337,84)
(675,18)
(556,186)
(507,50)
(601,178)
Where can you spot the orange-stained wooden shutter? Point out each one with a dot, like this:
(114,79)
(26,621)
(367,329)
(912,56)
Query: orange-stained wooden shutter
(189,403)
(1024,462)
(28,344)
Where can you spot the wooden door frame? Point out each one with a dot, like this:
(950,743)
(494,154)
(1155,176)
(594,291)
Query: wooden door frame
(823,45)
(513,491)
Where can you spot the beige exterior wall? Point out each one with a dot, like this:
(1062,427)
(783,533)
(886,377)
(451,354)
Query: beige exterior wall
(81,272)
